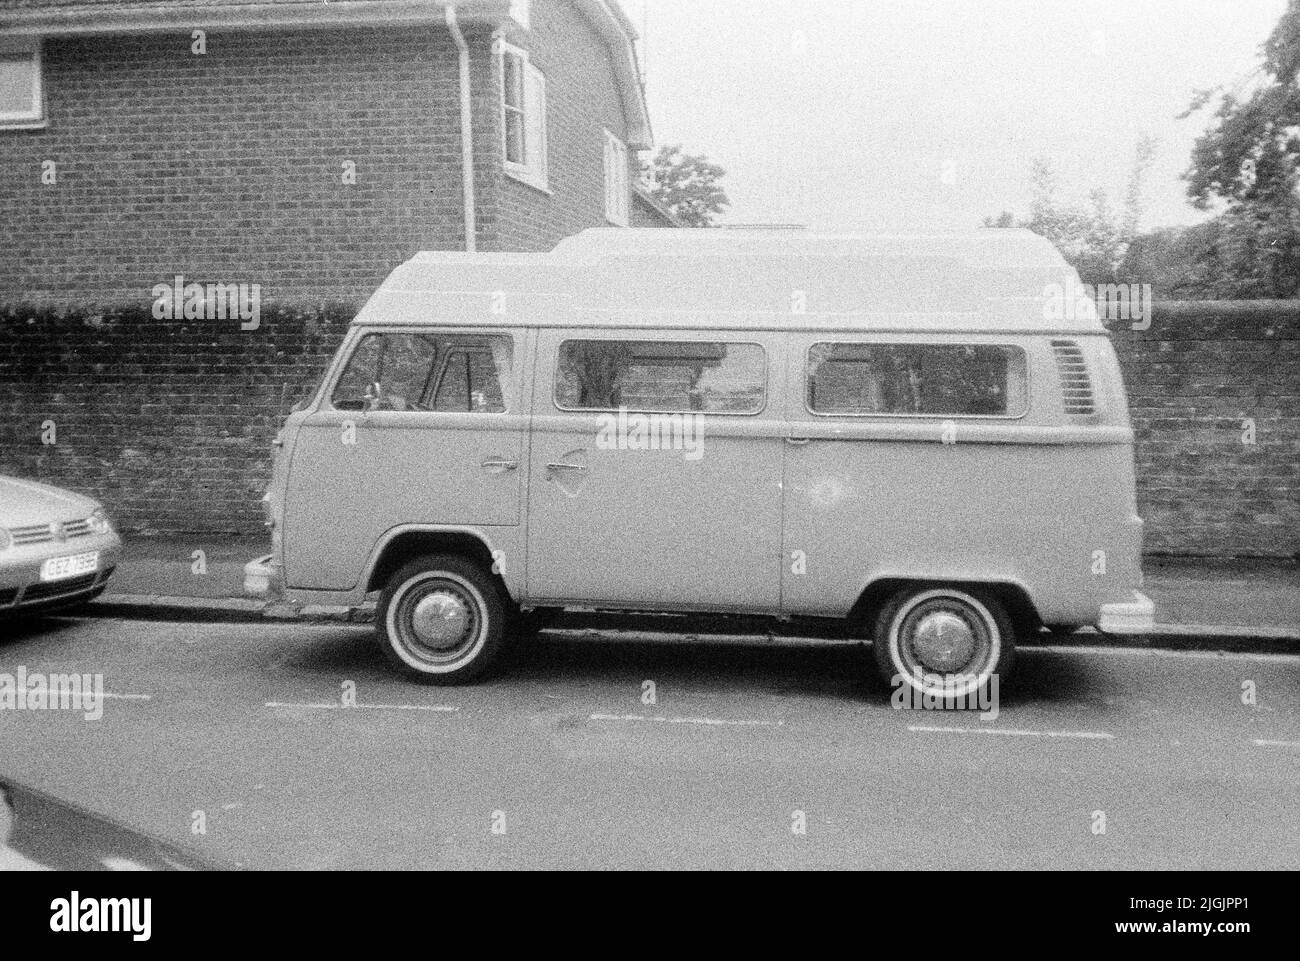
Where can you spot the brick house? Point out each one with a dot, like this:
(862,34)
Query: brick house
(305,146)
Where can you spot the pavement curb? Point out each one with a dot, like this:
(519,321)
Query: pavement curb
(1189,637)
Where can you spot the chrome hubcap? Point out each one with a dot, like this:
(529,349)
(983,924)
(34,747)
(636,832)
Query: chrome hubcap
(943,642)
(440,620)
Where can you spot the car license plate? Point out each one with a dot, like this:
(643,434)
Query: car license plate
(61,568)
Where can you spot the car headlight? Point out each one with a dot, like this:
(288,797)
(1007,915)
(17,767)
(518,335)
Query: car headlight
(5,539)
(99,522)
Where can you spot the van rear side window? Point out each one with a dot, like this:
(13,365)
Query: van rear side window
(919,380)
(427,373)
(661,376)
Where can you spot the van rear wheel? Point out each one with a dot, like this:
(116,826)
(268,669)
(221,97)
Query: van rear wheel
(441,620)
(942,641)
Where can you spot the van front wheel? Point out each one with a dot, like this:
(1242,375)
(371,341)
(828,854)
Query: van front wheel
(441,620)
(945,642)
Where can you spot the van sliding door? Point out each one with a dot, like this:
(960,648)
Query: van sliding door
(655,474)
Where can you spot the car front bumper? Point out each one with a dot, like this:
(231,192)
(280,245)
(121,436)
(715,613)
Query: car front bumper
(21,587)
(1136,616)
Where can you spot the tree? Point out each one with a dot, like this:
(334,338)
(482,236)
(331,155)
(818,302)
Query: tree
(1092,239)
(1180,263)
(1248,162)
(687,184)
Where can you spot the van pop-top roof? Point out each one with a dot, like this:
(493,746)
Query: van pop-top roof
(994,280)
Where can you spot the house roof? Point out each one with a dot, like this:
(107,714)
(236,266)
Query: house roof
(985,281)
(63,17)
(642,196)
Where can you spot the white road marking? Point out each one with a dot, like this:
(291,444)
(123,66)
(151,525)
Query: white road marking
(441,708)
(127,697)
(1013,732)
(707,721)
(1262,742)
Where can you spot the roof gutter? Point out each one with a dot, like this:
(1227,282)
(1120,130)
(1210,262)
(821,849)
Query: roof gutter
(466,134)
(162,17)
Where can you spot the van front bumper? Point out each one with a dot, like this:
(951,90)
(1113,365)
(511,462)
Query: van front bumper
(1136,616)
(264,578)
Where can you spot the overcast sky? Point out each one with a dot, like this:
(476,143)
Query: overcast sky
(877,114)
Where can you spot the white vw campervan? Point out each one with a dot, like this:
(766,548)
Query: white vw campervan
(903,431)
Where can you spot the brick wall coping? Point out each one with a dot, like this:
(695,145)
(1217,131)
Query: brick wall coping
(1227,308)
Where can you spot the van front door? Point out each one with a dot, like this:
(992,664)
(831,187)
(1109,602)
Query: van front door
(655,474)
(421,427)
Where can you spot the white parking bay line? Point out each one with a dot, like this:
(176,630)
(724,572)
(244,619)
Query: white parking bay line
(706,721)
(439,708)
(1263,742)
(1013,732)
(127,697)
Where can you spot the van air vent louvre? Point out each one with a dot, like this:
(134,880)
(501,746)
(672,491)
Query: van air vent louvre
(1076,385)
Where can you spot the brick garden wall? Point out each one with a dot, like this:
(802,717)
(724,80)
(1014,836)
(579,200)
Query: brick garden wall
(1194,379)
(170,423)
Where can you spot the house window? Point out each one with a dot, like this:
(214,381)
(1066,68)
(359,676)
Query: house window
(523,117)
(618,187)
(22,100)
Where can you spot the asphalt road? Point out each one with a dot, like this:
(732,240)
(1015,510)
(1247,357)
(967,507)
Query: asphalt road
(559,763)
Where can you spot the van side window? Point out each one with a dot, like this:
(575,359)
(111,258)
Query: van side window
(668,376)
(426,372)
(928,380)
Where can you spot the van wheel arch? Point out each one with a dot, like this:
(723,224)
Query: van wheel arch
(409,546)
(876,595)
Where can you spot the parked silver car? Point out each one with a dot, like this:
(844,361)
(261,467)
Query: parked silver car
(56,547)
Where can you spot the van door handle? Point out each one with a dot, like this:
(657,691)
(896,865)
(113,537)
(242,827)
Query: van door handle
(797,441)
(566,467)
(500,464)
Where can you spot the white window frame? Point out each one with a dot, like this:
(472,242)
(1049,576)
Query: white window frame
(533,171)
(618,182)
(36,118)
